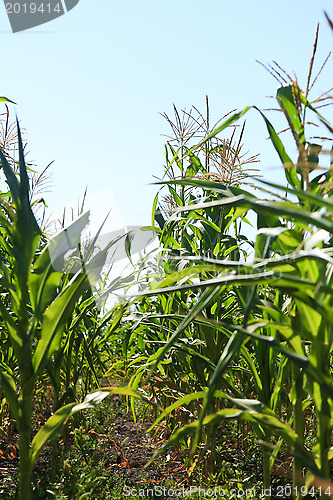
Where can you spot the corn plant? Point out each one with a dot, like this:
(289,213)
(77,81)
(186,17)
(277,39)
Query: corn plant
(36,307)
(283,327)
(208,234)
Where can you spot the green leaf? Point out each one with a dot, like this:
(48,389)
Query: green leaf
(183,401)
(206,297)
(55,319)
(233,347)
(286,98)
(214,186)
(24,180)
(128,243)
(141,344)
(267,419)
(230,121)
(287,163)
(9,388)
(50,430)
(15,334)
(286,209)
(315,199)
(11,179)
(5,99)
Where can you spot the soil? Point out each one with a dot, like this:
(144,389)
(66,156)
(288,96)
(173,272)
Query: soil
(130,451)
(125,451)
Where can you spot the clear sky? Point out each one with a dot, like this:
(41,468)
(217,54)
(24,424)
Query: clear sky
(89,85)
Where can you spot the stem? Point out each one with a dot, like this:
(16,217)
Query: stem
(212,447)
(299,425)
(322,355)
(24,425)
(324,436)
(25,432)
(25,469)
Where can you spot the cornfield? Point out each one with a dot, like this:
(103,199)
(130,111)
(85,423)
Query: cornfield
(234,330)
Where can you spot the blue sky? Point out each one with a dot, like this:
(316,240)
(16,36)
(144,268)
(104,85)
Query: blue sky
(89,85)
